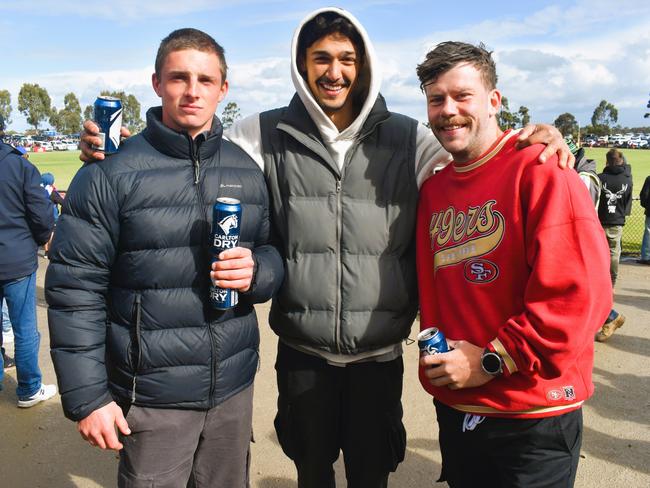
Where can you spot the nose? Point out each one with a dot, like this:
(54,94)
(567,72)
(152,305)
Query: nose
(191,88)
(448,107)
(334,70)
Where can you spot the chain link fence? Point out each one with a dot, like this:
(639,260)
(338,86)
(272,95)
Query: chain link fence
(633,230)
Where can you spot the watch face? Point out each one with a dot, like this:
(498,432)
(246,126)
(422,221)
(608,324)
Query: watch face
(491,363)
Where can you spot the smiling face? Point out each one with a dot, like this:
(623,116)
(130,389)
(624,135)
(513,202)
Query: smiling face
(190,85)
(331,67)
(462,112)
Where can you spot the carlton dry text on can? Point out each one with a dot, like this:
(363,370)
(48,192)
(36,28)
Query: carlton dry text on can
(432,341)
(108,116)
(226,223)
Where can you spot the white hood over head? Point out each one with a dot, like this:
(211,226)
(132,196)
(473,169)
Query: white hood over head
(330,133)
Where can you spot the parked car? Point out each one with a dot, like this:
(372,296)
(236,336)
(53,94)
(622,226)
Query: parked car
(59,145)
(64,145)
(589,142)
(71,145)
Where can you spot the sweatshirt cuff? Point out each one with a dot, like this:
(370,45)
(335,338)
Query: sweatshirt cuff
(509,365)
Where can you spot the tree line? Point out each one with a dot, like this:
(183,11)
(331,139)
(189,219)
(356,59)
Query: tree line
(603,120)
(35,104)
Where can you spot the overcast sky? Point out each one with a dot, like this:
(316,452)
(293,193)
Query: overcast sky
(552,56)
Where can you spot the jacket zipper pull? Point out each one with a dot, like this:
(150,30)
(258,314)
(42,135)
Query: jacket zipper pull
(338,186)
(196,171)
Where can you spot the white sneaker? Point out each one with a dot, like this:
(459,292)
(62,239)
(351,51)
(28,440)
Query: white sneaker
(8,337)
(45,393)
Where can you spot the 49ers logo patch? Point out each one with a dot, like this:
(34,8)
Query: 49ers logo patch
(481,271)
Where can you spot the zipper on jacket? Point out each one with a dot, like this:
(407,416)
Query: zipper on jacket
(137,312)
(196,163)
(339,236)
(339,265)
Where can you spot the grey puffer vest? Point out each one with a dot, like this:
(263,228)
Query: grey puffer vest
(347,236)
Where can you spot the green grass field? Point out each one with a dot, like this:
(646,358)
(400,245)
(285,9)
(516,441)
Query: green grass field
(64,164)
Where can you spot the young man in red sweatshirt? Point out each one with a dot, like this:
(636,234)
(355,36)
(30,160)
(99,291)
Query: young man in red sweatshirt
(513,269)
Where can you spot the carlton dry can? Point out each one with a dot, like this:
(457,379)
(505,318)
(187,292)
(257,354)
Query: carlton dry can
(226,222)
(108,116)
(432,341)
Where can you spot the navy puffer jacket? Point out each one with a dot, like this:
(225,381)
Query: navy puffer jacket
(26,216)
(128,281)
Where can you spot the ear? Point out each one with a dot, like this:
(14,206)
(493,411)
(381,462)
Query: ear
(155,82)
(223,91)
(494,100)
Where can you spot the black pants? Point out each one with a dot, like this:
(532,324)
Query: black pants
(512,453)
(323,409)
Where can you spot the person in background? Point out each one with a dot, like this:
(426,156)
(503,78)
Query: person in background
(615,204)
(27,220)
(47,182)
(644,198)
(505,273)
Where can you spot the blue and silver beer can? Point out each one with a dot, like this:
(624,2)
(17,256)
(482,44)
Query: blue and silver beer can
(432,341)
(226,223)
(108,116)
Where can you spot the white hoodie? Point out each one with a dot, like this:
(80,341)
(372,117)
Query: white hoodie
(429,154)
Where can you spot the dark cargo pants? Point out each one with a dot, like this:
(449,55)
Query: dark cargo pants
(323,409)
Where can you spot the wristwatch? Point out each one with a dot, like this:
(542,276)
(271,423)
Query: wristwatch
(491,362)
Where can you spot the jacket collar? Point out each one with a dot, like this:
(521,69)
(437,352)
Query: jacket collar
(179,144)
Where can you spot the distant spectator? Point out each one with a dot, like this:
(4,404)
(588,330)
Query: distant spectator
(27,220)
(615,204)
(47,182)
(644,196)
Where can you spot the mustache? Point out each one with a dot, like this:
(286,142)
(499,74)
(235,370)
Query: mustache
(343,81)
(442,123)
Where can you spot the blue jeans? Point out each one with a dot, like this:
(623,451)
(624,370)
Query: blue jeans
(21,300)
(645,244)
